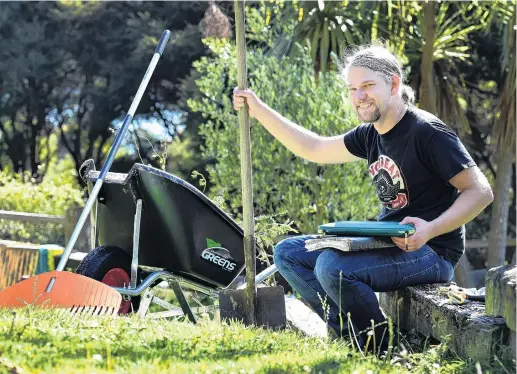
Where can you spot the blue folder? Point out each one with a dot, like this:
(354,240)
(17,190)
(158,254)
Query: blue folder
(367,228)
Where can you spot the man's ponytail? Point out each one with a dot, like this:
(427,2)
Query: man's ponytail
(408,95)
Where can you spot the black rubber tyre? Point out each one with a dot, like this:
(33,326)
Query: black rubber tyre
(101,260)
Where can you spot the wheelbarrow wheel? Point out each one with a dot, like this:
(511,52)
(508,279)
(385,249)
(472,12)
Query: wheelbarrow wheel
(110,265)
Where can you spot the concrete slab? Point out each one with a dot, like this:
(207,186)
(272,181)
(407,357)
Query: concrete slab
(302,318)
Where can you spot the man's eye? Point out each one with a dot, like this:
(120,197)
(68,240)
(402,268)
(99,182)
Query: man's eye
(352,89)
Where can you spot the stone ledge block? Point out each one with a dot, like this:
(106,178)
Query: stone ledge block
(471,332)
(500,293)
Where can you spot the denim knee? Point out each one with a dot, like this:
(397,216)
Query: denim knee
(282,251)
(327,271)
(291,250)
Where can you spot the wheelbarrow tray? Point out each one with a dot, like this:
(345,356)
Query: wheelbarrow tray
(181,231)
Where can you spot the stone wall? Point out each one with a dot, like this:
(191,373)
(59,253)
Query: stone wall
(469,330)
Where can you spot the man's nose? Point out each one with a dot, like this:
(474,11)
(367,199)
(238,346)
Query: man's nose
(361,95)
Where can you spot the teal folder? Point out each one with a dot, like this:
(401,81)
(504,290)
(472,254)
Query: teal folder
(367,228)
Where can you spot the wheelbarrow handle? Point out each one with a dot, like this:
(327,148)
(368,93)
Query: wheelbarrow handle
(114,148)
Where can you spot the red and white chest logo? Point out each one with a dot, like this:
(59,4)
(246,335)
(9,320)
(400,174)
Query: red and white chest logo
(389,183)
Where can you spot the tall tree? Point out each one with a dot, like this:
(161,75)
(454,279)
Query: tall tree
(111,45)
(72,68)
(427,91)
(504,141)
(32,75)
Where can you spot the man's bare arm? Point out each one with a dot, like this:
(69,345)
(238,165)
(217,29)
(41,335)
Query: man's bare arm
(475,195)
(302,142)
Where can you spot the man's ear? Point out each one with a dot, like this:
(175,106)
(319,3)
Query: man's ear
(395,85)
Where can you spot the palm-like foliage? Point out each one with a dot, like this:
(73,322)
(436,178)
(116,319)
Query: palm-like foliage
(328,27)
(438,51)
(504,124)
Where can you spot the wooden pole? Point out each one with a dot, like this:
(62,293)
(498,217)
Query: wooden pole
(246,176)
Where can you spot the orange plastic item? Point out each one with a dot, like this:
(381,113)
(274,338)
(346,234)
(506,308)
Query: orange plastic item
(72,291)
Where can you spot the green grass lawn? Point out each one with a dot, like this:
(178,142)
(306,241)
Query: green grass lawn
(33,341)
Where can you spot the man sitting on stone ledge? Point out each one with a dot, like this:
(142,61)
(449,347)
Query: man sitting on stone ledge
(422,173)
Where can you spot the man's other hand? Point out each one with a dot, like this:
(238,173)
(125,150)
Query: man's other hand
(423,233)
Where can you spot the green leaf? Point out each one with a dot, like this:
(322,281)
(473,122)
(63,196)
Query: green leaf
(314,44)
(324,48)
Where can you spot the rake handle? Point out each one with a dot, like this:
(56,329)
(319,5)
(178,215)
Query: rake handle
(114,148)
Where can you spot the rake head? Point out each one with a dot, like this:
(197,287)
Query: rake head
(79,294)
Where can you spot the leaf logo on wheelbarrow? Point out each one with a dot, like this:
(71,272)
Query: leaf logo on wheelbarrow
(210,243)
(218,255)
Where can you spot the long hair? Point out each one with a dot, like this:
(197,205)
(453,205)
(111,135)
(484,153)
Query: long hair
(379,59)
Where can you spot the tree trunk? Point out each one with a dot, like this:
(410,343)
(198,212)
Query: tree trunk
(427,91)
(500,208)
(504,136)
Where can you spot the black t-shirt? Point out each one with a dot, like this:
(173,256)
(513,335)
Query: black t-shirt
(411,166)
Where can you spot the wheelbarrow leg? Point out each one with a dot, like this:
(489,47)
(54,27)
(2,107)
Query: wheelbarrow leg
(145,303)
(182,300)
(136,243)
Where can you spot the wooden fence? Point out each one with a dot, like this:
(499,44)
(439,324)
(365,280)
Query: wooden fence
(68,221)
(31,217)
(19,259)
(483,243)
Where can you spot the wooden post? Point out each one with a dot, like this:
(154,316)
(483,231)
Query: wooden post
(246,175)
(265,306)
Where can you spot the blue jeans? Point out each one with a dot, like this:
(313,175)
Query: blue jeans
(346,282)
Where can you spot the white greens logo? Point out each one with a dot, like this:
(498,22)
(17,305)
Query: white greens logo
(214,255)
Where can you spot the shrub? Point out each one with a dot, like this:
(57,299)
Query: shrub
(311,194)
(54,195)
